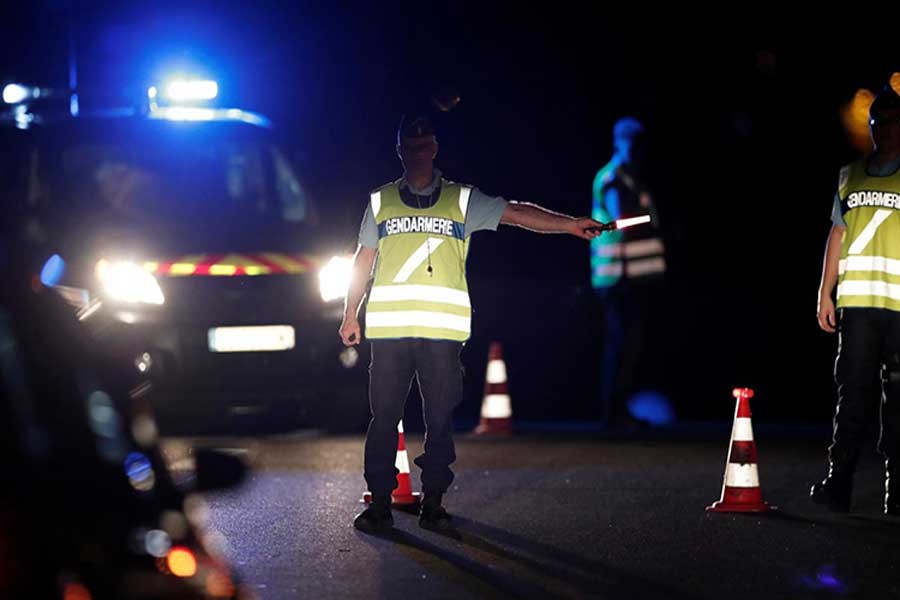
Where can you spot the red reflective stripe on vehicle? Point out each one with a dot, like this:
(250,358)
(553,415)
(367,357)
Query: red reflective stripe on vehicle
(244,265)
(204,265)
(305,261)
(273,267)
(220,264)
(288,263)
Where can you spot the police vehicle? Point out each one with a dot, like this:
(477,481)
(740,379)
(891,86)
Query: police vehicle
(187,245)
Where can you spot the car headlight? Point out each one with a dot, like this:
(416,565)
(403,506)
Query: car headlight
(334,278)
(128,282)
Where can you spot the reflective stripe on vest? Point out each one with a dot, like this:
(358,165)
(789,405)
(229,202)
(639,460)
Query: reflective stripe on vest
(869,267)
(638,258)
(406,299)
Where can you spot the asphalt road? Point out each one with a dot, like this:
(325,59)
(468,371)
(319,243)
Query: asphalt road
(557,515)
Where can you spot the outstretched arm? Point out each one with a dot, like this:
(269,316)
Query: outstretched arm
(539,219)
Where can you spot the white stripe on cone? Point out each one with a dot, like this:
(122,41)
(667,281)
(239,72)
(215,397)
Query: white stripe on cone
(742,430)
(741,476)
(496,371)
(496,406)
(402,460)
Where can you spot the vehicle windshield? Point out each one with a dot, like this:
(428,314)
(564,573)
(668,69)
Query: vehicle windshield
(178,172)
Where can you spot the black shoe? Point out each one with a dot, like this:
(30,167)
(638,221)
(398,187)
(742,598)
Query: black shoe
(833,493)
(377,518)
(433,515)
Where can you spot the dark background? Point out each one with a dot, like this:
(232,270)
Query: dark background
(744,115)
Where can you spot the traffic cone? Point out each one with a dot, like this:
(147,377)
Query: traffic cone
(496,408)
(402,494)
(740,490)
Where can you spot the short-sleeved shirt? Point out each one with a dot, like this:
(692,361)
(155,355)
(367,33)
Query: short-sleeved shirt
(484,212)
(878,171)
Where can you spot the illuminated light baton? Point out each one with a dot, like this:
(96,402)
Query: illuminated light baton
(620,224)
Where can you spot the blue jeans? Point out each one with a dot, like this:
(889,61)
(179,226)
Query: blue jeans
(436,366)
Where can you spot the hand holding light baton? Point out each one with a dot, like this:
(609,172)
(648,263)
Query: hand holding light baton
(620,224)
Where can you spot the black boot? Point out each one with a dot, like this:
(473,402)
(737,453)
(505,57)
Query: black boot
(377,518)
(892,487)
(835,490)
(433,515)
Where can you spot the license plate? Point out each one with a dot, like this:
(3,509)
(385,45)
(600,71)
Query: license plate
(264,338)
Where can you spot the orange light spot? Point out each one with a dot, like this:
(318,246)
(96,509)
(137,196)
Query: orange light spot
(855,116)
(181,562)
(75,591)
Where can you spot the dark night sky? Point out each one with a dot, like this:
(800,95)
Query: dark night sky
(747,140)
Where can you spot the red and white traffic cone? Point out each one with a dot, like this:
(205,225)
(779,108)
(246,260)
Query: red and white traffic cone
(740,490)
(402,494)
(496,408)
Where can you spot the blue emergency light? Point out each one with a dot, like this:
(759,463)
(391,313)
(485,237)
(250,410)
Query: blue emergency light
(53,270)
(183,91)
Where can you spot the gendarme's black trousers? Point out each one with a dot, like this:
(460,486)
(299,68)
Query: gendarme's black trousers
(867,373)
(436,365)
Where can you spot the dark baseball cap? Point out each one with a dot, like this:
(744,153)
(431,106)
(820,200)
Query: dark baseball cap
(887,99)
(414,125)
